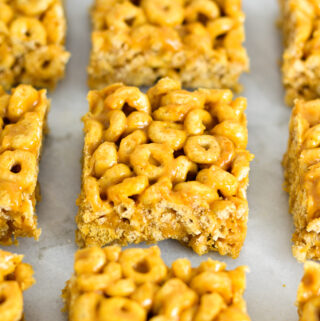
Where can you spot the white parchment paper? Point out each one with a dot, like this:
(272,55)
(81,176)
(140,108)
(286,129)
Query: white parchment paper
(275,274)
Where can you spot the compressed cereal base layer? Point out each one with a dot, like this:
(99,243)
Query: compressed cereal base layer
(300,22)
(22,127)
(32,37)
(136,285)
(302,169)
(15,277)
(169,164)
(198,42)
(308,296)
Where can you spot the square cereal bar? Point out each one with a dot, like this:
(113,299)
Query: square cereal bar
(136,285)
(198,42)
(308,297)
(22,125)
(15,277)
(301,58)
(32,37)
(166,164)
(302,177)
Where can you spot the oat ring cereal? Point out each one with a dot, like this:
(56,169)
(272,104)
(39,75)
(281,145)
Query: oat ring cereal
(32,43)
(15,278)
(170,163)
(136,285)
(198,42)
(23,116)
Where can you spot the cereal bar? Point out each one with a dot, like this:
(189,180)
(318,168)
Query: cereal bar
(301,58)
(302,177)
(166,164)
(199,42)
(308,297)
(32,37)
(15,277)
(22,124)
(136,285)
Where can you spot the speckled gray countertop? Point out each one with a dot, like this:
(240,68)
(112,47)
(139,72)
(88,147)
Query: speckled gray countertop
(275,274)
